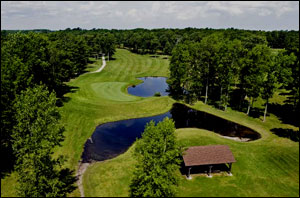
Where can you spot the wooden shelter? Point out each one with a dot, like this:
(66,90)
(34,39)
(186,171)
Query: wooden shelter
(208,155)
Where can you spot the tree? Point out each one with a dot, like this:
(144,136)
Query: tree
(68,56)
(157,154)
(32,50)
(13,75)
(228,68)
(36,133)
(293,83)
(195,72)
(19,63)
(167,48)
(208,59)
(269,84)
(135,41)
(154,45)
(277,70)
(179,63)
(254,69)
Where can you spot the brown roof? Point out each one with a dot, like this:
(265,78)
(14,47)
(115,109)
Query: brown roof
(204,155)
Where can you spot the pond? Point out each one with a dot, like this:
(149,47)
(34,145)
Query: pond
(149,87)
(114,138)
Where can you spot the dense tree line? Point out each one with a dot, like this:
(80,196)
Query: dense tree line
(219,65)
(164,40)
(101,44)
(282,39)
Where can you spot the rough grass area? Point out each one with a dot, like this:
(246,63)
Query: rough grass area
(266,167)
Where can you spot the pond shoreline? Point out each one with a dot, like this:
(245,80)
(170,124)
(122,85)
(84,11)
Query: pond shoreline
(149,86)
(111,139)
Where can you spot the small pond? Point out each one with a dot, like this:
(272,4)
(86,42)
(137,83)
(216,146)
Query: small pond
(111,139)
(149,87)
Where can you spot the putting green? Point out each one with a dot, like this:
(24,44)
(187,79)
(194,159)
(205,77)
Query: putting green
(113,91)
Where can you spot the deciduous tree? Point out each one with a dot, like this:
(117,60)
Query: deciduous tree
(36,133)
(158,157)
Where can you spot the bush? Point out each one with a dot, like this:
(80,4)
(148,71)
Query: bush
(157,94)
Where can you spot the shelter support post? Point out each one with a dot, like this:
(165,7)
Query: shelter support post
(189,173)
(229,169)
(209,172)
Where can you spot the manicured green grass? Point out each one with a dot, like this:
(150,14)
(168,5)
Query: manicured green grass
(266,167)
(112,178)
(8,185)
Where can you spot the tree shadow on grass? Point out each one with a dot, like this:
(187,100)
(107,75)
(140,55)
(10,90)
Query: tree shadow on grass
(111,59)
(286,113)
(216,104)
(286,133)
(154,56)
(89,67)
(256,112)
(80,73)
(91,61)
(60,101)
(9,160)
(62,91)
(67,178)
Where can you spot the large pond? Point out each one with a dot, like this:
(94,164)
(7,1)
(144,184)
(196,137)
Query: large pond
(111,139)
(149,87)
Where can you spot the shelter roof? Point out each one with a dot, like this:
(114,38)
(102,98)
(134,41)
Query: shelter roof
(205,155)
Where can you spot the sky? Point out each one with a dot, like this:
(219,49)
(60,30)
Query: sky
(59,15)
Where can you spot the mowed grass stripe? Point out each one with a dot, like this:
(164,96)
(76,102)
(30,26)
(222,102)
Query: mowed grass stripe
(127,68)
(119,66)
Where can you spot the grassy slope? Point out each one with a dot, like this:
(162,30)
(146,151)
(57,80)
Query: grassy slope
(102,97)
(266,167)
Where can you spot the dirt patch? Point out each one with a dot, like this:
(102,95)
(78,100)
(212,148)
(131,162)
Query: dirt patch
(237,138)
(82,168)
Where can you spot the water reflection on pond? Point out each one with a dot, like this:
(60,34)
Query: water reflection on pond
(111,139)
(149,87)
